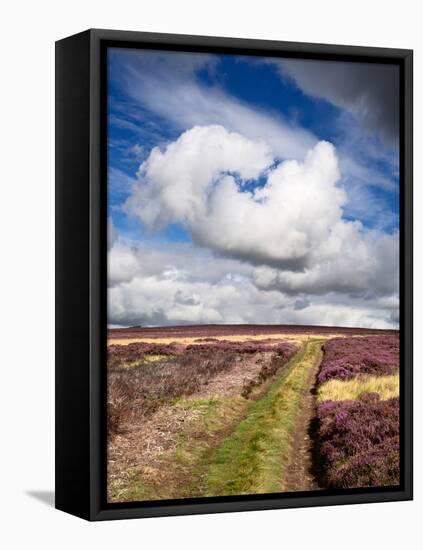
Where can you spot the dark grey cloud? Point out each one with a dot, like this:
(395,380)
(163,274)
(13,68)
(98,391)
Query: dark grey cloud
(394,317)
(111,234)
(301,303)
(369,91)
(167,66)
(186,298)
(366,268)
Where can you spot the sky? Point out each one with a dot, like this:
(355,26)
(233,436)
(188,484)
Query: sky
(255,190)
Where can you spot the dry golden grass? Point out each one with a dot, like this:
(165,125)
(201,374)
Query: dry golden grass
(145,359)
(154,358)
(342,390)
(195,340)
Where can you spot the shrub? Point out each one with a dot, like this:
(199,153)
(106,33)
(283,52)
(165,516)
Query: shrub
(118,355)
(177,370)
(346,358)
(359,442)
(143,388)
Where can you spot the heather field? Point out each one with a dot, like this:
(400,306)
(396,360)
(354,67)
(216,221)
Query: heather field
(358,412)
(229,410)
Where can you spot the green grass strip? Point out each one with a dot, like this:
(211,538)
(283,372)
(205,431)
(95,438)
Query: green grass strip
(253,458)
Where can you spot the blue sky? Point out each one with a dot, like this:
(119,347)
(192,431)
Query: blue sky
(283,108)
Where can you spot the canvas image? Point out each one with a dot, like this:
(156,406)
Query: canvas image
(253,342)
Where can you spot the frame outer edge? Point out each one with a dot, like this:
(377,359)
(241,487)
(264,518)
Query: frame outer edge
(72,392)
(97,234)
(97,227)
(408,270)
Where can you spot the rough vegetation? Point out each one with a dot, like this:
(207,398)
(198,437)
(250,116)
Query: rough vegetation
(358,412)
(145,386)
(349,357)
(359,441)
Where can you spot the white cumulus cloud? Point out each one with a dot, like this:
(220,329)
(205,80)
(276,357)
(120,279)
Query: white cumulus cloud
(200,180)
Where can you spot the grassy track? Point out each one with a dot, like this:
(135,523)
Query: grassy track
(253,458)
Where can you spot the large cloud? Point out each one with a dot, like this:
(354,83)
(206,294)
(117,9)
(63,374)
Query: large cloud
(200,180)
(173,185)
(291,225)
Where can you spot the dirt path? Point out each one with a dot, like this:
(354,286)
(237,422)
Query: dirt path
(255,457)
(299,473)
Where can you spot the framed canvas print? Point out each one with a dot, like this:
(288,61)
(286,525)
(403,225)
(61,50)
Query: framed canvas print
(234,274)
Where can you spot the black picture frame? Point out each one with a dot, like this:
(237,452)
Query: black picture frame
(81,274)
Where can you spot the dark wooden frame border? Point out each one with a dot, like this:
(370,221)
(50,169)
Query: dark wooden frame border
(81,274)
